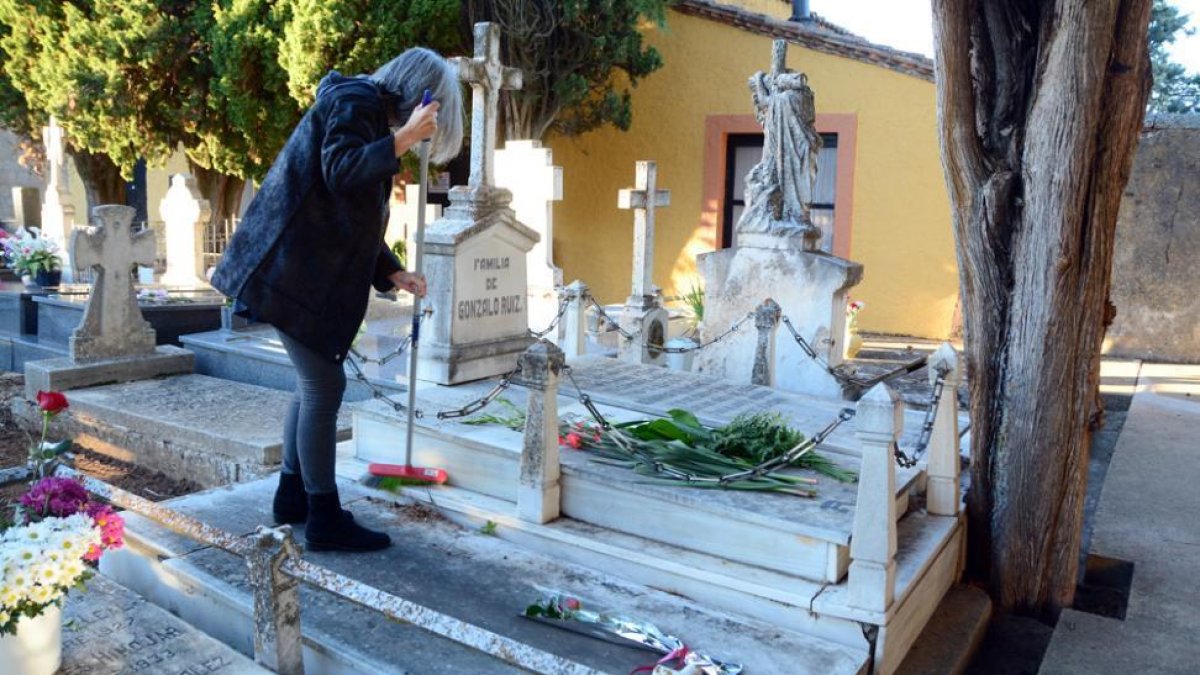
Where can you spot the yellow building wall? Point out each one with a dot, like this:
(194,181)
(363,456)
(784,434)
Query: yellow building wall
(901,220)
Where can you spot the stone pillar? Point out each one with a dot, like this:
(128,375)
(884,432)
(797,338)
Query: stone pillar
(766,321)
(942,492)
(527,170)
(872,576)
(277,641)
(574,343)
(539,495)
(58,214)
(185,213)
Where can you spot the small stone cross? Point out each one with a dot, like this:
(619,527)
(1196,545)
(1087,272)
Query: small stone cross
(487,77)
(112,323)
(643,199)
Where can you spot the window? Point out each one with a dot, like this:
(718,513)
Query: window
(743,151)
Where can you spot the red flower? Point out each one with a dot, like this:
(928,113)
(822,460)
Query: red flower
(51,402)
(572,604)
(574,440)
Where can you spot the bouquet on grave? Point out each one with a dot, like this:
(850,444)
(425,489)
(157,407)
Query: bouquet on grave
(56,531)
(51,533)
(680,445)
(569,613)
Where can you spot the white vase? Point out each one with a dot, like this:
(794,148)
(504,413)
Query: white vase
(36,649)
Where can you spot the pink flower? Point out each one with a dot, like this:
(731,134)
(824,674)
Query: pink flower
(55,497)
(112,529)
(574,440)
(572,604)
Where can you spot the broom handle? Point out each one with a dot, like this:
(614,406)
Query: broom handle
(419,269)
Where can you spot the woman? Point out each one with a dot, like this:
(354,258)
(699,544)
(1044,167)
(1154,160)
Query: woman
(310,247)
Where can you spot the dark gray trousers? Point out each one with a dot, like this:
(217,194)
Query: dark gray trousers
(310,428)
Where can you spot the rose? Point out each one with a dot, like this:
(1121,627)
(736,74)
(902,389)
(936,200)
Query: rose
(574,440)
(52,402)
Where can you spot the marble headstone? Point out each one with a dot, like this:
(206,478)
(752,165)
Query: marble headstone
(186,213)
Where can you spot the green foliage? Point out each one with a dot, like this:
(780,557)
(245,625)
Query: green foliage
(694,299)
(489,529)
(400,248)
(1175,90)
(511,417)
(358,36)
(581,59)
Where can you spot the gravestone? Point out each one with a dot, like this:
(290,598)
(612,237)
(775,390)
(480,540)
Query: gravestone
(113,342)
(58,214)
(476,253)
(778,253)
(644,317)
(527,170)
(185,213)
(26,207)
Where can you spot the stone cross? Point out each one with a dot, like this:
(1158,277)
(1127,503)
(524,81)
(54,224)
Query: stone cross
(52,136)
(487,77)
(58,215)
(643,199)
(185,213)
(112,323)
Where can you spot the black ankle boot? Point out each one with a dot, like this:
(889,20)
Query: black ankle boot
(291,503)
(332,529)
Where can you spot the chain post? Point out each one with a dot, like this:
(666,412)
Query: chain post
(539,494)
(277,640)
(942,494)
(575,340)
(872,576)
(766,321)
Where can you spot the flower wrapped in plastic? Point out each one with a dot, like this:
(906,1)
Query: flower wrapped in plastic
(569,613)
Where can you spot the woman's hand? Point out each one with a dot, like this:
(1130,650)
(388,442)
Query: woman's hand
(409,281)
(421,124)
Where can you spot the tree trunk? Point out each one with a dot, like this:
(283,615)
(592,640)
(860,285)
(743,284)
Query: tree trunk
(223,192)
(101,178)
(1040,106)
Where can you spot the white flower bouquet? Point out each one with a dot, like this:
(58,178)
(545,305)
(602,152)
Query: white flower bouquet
(41,561)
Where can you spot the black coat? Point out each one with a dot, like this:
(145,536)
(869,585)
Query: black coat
(311,244)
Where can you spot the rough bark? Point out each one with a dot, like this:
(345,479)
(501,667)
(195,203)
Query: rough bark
(101,178)
(1040,105)
(223,192)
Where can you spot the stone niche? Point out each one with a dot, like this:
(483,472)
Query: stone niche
(810,288)
(475,260)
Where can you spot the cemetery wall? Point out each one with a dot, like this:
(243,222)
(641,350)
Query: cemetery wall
(900,215)
(1156,277)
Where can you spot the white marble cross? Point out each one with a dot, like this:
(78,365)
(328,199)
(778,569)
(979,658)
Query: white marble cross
(487,77)
(643,199)
(112,324)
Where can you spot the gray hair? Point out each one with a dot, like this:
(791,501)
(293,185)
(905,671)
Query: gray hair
(406,77)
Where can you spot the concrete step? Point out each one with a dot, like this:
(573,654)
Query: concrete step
(927,563)
(953,634)
(807,538)
(481,579)
(110,630)
(209,430)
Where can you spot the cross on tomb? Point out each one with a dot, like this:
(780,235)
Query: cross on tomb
(487,77)
(112,323)
(643,199)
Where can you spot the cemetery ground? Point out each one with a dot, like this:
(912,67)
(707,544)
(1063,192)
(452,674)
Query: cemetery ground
(15,436)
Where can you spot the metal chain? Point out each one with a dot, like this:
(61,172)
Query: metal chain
(909,459)
(586,401)
(614,323)
(841,375)
(697,347)
(396,353)
(563,302)
(483,401)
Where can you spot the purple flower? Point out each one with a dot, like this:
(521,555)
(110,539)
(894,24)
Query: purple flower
(55,497)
